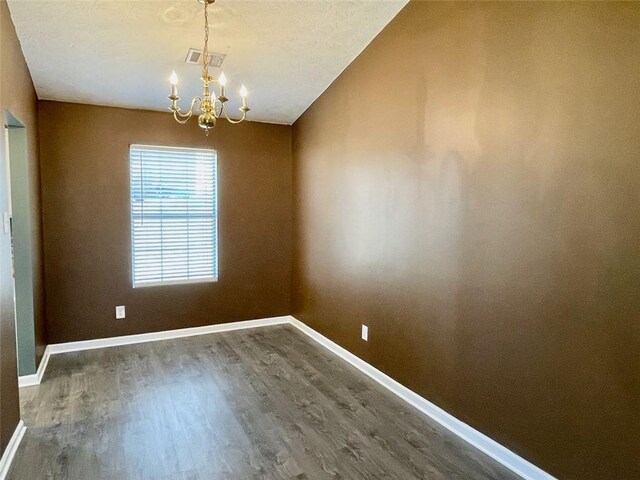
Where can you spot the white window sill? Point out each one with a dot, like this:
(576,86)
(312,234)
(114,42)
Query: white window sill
(175,282)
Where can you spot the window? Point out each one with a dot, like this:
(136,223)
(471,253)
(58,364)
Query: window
(174,224)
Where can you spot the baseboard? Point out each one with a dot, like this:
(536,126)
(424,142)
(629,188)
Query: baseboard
(28,380)
(55,348)
(36,378)
(501,454)
(166,335)
(12,448)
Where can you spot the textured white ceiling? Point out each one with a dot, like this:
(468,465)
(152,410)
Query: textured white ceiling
(121,53)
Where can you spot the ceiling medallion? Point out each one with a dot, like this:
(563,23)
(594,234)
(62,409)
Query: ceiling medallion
(210,106)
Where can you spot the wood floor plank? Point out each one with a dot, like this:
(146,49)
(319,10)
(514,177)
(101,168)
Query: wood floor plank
(263,403)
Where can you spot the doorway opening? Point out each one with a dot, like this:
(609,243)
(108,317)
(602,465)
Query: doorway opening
(19,224)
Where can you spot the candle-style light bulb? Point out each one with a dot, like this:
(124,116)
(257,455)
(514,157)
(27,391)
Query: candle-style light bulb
(173,79)
(243,94)
(222,80)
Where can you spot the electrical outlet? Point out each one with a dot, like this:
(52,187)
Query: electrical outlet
(365,333)
(120,312)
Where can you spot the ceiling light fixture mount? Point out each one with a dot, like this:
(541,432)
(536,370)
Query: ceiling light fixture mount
(210,105)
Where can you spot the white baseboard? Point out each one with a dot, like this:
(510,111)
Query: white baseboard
(166,335)
(36,378)
(501,454)
(55,348)
(12,448)
(28,380)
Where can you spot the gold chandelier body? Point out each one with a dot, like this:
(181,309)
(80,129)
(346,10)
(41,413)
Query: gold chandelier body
(210,106)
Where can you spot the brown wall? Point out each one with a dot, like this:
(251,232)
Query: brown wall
(18,97)
(85,178)
(470,189)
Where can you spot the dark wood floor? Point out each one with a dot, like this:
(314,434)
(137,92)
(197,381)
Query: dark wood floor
(266,403)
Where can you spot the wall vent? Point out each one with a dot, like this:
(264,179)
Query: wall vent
(194,57)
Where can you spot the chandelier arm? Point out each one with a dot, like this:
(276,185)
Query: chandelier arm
(244,115)
(182,119)
(177,114)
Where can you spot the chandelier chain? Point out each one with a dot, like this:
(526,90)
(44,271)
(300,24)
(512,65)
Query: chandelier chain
(205,50)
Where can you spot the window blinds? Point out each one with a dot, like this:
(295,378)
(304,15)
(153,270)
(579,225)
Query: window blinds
(173,215)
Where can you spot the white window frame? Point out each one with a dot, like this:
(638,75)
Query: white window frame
(159,283)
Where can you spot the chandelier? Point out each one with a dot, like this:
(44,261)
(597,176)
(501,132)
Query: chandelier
(210,106)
